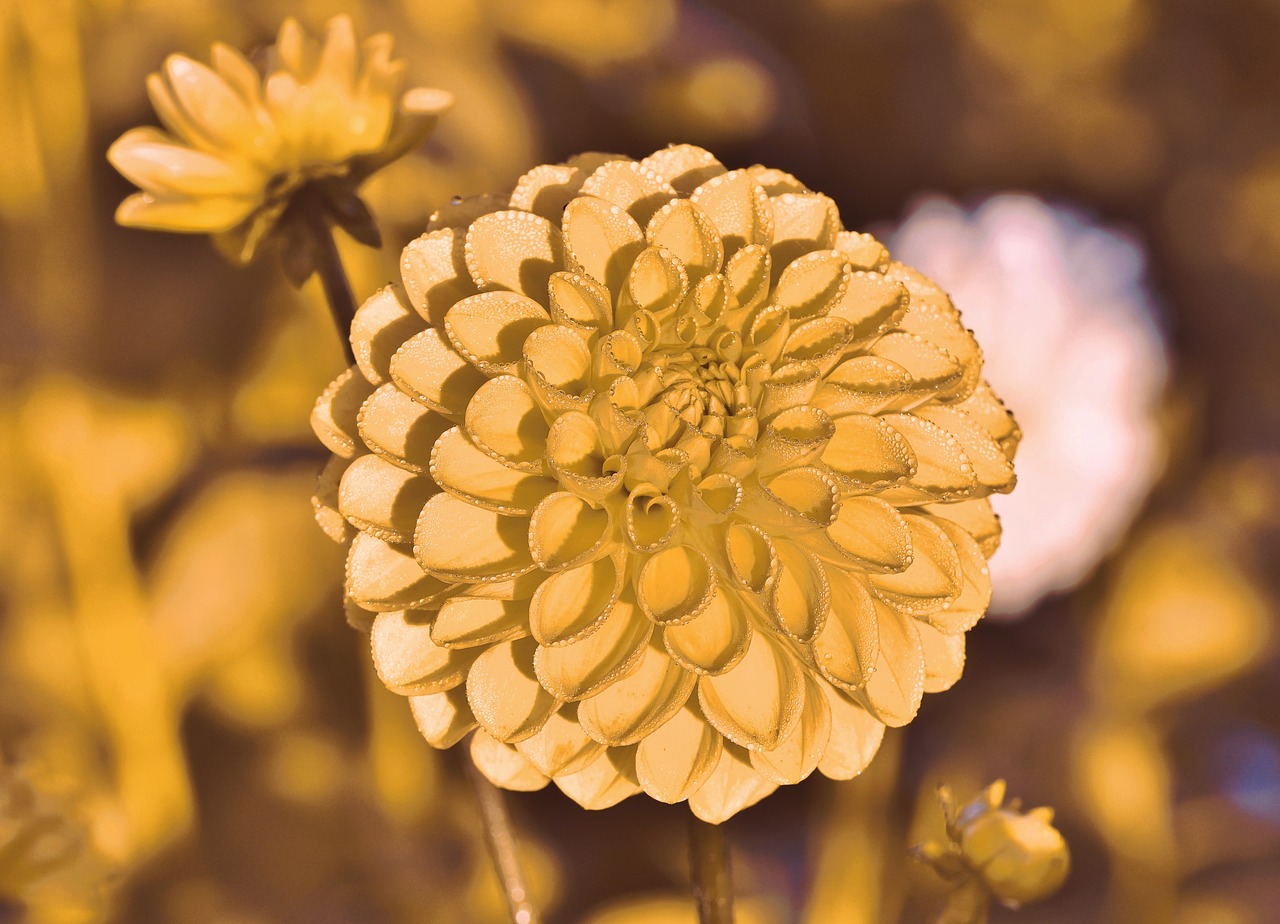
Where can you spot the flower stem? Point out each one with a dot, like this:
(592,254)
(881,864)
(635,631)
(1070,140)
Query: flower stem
(337,288)
(501,842)
(709,864)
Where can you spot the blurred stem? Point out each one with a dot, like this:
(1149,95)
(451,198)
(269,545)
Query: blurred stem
(337,288)
(501,842)
(709,864)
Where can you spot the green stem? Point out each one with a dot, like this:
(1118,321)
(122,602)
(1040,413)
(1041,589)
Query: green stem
(709,865)
(337,288)
(501,841)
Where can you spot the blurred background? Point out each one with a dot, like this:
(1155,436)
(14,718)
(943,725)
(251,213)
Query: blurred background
(190,732)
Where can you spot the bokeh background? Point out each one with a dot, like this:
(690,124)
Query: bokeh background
(1097,182)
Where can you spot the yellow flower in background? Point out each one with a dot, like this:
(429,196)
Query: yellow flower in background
(664,480)
(48,873)
(239,144)
(997,850)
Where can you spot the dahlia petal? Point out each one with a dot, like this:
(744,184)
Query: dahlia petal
(752,557)
(731,787)
(502,765)
(893,691)
(684,230)
(766,333)
(465,622)
(862,385)
(399,429)
(334,417)
(406,659)
(650,519)
(798,754)
(976,518)
(514,250)
(490,329)
(503,418)
(799,596)
(800,500)
(713,641)
(632,706)
(383,499)
(456,540)
(821,341)
(238,73)
(855,737)
(657,283)
(574,603)
(575,454)
(561,748)
(867,454)
(504,694)
(580,668)
(558,368)
(963,614)
(601,240)
(934,578)
(872,533)
(604,783)
(739,209)
(748,272)
(776,182)
(339,56)
(547,189)
(870,303)
(464,469)
(791,386)
(715,498)
(943,471)
(757,702)
(684,166)
(810,285)
(675,585)
(863,250)
(847,648)
(428,368)
(943,328)
(631,186)
(991,414)
(943,658)
(434,271)
(379,327)
(581,303)
(932,369)
(675,759)
(325,501)
(565,531)
(803,222)
(992,469)
(382,576)
(443,719)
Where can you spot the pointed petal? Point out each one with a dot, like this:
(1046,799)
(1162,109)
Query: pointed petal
(406,659)
(605,783)
(848,646)
(631,707)
(943,471)
(561,747)
(803,222)
(943,658)
(588,665)
(504,694)
(867,454)
(799,596)
(855,737)
(934,579)
(757,702)
(811,285)
(684,230)
(443,719)
(676,758)
(798,754)
(870,533)
(731,787)
(894,690)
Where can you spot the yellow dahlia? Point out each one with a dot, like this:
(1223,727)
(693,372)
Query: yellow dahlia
(664,480)
(995,851)
(240,143)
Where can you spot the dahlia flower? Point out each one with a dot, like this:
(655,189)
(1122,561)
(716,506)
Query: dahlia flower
(240,143)
(1071,341)
(664,480)
(995,851)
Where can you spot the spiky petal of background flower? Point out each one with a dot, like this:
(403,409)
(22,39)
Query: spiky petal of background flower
(239,143)
(664,480)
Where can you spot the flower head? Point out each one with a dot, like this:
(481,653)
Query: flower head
(240,143)
(1015,857)
(664,480)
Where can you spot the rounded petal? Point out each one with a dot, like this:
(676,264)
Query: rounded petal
(464,469)
(334,419)
(601,240)
(714,640)
(631,707)
(675,585)
(798,754)
(585,666)
(504,694)
(514,250)
(757,702)
(503,417)
(444,718)
(456,540)
(605,783)
(382,576)
(434,271)
(739,209)
(406,659)
(943,658)
(490,329)
(561,747)
(731,787)
(684,230)
(855,737)
(399,429)
(383,499)
(573,603)
(676,758)
(429,369)
(466,622)
(504,766)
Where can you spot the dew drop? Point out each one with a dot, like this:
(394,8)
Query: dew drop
(455,200)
